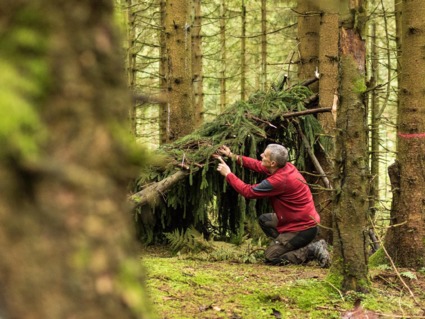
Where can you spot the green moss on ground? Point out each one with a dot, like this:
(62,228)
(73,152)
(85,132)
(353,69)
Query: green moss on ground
(378,258)
(188,288)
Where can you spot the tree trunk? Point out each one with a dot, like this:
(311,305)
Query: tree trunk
(178,38)
(264,85)
(164,108)
(328,86)
(198,93)
(407,246)
(398,38)
(351,182)
(314,27)
(68,248)
(393,234)
(374,125)
(223,82)
(308,37)
(131,59)
(243,52)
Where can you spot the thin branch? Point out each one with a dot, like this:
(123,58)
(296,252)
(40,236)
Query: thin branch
(397,225)
(399,316)
(333,286)
(306,112)
(313,157)
(260,120)
(306,82)
(394,267)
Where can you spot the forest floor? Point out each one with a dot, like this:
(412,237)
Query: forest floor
(187,287)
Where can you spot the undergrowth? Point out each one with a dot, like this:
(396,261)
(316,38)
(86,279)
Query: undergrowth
(192,244)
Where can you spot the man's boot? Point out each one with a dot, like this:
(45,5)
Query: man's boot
(319,251)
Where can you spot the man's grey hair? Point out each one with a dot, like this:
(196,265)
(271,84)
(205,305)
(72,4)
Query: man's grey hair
(278,153)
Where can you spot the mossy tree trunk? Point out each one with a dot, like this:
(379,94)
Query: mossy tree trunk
(406,242)
(351,163)
(68,248)
(178,39)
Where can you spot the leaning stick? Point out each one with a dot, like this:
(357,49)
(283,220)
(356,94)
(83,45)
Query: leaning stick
(313,157)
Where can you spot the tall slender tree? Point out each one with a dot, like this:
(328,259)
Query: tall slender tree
(406,239)
(243,52)
(328,90)
(164,109)
(131,57)
(351,162)
(223,56)
(178,39)
(308,37)
(374,121)
(398,40)
(198,92)
(264,84)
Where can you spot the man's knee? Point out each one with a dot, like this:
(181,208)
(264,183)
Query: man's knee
(265,220)
(268,224)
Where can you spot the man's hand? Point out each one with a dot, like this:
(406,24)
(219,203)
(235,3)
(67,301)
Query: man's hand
(222,167)
(225,151)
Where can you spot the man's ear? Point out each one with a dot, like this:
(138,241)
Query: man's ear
(273,163)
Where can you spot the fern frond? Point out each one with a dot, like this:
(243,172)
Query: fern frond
(189,241)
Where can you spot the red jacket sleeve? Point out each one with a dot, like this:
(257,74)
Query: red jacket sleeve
(253,165)
(261,190)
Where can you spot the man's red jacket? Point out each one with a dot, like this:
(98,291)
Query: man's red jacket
(287,191)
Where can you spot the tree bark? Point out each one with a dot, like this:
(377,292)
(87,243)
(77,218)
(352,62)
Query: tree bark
(375,125)
(223,57)
(407,247)
(308,36)
(264,85)
(131,59)
(328,87)
(198,92)
(164,110)
(351,162)
(243,52)
(68,248)
(178,38)
(393,234)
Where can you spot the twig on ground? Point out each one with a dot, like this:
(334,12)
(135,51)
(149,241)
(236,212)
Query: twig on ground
(395,268)
(333,286)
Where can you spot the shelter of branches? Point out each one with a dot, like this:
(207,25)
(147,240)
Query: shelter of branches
(188,191)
